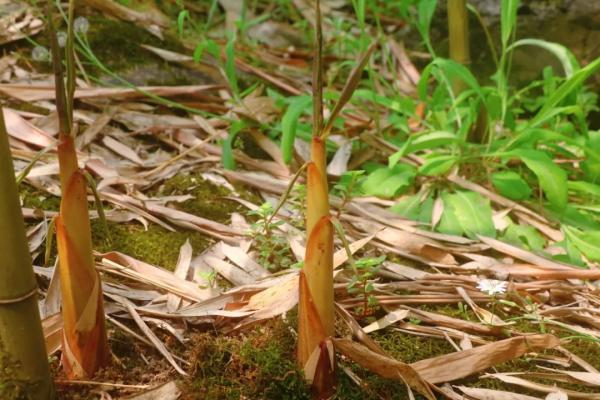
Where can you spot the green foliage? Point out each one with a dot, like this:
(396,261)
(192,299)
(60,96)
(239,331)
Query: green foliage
(389,182)
(467,213)
(227,145)
(289,122)
(586,242)
(415,207)
(361,282)
(524,236)
(511,185)
(425,15)
(552,178)
(274,251)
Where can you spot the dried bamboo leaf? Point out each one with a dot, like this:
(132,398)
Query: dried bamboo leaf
(513,380)
(384,366)
(149,334)
(467,362)
(181,271)
(488,394)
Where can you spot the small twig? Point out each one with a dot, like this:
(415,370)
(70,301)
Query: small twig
(284,197)
(93,383)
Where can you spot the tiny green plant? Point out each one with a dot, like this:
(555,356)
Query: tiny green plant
(361,283)
(347,188)
(274,252)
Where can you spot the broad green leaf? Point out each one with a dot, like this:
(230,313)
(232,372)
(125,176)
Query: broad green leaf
(412,207)
(449,222)
(431,140)
(531,136)
(587,242)
(564,55)
(289,123)
(389,182)
(525,236)
(574,217)
(552,178)
(473,212)
(437,165)
(425,141)
(510,184)
(454,69)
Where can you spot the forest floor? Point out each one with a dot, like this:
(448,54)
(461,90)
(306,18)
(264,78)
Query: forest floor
(184,145)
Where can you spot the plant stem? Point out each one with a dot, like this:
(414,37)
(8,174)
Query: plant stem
(458,32)
(21,336)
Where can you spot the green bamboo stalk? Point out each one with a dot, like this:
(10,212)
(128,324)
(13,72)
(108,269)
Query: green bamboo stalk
(24,370)
(458,36)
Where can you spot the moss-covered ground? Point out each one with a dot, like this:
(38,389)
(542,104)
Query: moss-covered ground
(259,363)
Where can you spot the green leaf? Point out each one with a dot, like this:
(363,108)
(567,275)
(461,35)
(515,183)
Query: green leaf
(183,15)
(472,211)
(414,208)
(426,10)
(573,217)
(511,185)
(590,190)
(524,236)
(552,178)
(289,124)
(437,165)
(564,55)
(429,140)
(564,90)
(508,16)
(227,145)
(454,70)
(230,65)
(586,242)
(389,182)
(591,166)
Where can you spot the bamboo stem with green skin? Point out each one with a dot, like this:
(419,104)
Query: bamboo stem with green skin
(85,346)
(23,362)
(458,36)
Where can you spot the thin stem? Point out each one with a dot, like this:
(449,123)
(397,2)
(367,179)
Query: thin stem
(284,197)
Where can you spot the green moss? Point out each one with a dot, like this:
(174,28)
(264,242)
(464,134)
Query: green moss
(259,364)
(36,199)
(156,245)
(117,43)
(208,199)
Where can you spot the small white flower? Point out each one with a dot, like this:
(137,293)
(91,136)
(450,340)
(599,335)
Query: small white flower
(81,25)
(61,38)
(492,286)
(40,53)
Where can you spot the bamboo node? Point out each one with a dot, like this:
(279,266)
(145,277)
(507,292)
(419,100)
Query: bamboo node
(19,299)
